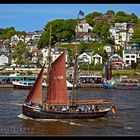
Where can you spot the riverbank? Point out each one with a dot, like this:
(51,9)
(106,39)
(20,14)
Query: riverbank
(79,86)
(6,85)
(90,85)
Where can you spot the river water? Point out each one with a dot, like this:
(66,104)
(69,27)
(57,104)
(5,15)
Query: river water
(126,121)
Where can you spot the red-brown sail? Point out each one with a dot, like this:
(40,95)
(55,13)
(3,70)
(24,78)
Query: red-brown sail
(57,88)
(35,94)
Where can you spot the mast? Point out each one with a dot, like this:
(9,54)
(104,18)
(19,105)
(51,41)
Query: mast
(56,79)
(73,99)
(49,63)
(49,57)
(75,79)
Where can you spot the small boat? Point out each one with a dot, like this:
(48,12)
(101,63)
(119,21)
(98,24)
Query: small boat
(26,84)
(123,86)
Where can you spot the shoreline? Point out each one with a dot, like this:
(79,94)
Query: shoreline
(79,86)
(6,86)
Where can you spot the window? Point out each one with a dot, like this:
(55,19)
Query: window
(84,56)
(132,61)
(127,56)
(133,56)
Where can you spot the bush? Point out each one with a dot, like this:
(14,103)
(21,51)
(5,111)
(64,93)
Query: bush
(29,72)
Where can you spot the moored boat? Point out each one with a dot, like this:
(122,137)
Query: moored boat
(26,84)
(123,86)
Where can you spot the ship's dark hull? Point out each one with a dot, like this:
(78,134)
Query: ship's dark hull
(37,114)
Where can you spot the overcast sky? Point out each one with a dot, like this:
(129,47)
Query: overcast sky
(31,17)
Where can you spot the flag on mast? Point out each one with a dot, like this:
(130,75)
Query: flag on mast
(81,13)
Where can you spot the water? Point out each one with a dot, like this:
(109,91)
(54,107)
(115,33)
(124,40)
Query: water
(126,121)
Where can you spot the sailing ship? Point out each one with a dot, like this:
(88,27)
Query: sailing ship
(57,104)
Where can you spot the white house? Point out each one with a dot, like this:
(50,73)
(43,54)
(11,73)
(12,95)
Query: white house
(28,37)
(36,37)
(129,56)
(97,59)
(115,57)
(121,33)
(116,61)
(4,59)
(84,58)
(83,26)
(34,59)
(54,55)
(108,49)
(4,48)
(15,39)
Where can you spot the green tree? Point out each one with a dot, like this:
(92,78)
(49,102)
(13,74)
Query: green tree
(105,31)
(110,12)
(9,32)
(138,66)
(60,29)
(83,46)
(119,51)
(102,29)
(21,33)
(21,53)
(89,19)
(121,17)
(105,56)
(136,34)
(134,66)
(110,41)
(133,17)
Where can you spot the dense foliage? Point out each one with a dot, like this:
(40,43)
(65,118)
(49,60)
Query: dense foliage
(21,54)
(60,29)
(9,32)
(136,34)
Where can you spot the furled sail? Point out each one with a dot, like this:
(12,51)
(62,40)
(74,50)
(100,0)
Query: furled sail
(57,88)
(35,94)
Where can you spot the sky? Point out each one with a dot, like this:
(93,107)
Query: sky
(32,17)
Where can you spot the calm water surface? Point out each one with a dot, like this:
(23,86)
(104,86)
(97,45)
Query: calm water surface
(126,122)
